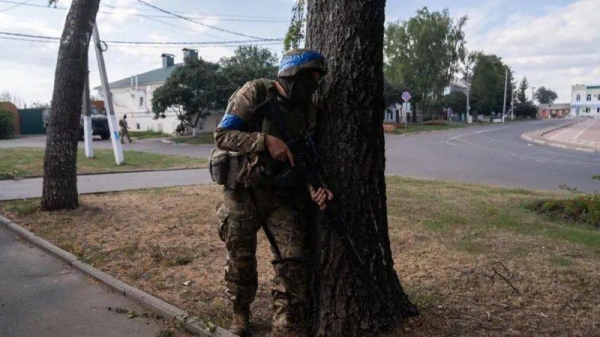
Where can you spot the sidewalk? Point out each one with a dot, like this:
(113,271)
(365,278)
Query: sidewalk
(42,296)
(32,188)
(581,135)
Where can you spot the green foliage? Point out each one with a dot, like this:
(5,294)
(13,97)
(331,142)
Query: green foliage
(423,53)
(584,208)
(296,31)
(487,84)
(457,101)
(247,63)
(7,124)
(545,96)
(391,93)
(524,108)
(191,91)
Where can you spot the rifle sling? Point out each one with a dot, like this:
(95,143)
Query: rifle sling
(278,258)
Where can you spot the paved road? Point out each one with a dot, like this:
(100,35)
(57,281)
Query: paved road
(41,296)
(32,188)
(585,134)
(493,155)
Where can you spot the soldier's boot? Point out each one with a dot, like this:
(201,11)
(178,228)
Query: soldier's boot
(288,320)
(240,323)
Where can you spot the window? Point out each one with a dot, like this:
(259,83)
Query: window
(578,98)
(588,98)
(599,97)
(142,102)
(598,110)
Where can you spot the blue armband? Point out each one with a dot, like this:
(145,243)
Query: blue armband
(231,122)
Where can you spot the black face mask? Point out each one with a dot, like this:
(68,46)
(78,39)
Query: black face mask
(301,88)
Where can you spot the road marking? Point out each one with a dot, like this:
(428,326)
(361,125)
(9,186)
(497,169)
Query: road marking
(560,133)
(584,130)
(449,140)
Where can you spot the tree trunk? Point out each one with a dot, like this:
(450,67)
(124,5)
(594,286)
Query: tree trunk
(60,170)
(345,300)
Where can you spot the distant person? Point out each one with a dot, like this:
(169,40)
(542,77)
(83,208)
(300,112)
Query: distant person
(124,129)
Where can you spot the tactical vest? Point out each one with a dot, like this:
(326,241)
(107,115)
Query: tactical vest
(261,168)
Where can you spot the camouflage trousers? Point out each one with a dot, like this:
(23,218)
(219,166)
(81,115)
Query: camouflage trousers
(239,223)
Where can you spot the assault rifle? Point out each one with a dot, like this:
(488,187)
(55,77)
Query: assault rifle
(308,169)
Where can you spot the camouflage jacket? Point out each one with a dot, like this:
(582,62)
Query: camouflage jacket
(243,129)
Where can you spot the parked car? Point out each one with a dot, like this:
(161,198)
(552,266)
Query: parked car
(99,123)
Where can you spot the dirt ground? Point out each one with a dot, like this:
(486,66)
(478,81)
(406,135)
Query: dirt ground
(475,261)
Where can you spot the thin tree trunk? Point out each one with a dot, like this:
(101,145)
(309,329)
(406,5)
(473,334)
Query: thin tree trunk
(347,301)
(60,162)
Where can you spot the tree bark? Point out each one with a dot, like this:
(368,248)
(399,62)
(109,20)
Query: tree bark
(345,300)
(60,162)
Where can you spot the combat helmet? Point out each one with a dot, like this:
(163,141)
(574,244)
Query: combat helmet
(298,60)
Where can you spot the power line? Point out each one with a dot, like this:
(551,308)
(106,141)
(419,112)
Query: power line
(211,14)
(148,43)
(221,17)
(17,4)
(200,23)
(148,46)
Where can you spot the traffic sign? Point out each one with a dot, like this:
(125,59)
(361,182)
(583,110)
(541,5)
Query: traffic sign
(406,96)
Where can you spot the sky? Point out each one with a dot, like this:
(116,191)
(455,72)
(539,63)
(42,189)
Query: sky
(554,43)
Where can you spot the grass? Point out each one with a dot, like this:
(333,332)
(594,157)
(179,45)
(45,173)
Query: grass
(148,134)
(448,239)
(28,162)
(417,128)
(201,138)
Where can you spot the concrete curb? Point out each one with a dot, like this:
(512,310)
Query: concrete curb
(536,137)
(192,324)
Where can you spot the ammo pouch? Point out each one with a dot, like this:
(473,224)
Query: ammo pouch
(224,167)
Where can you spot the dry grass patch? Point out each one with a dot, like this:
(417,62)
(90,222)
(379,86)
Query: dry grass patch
(456,246)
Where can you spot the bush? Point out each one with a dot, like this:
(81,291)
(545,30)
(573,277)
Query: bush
(7,124)
(581,208)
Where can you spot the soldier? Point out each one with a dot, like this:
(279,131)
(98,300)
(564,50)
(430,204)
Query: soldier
(254,202)
(124,129)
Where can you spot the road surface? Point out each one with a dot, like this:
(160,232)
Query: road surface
(495,155)
(491,154)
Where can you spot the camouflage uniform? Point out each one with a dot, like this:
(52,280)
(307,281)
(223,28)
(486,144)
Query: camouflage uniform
(124,130)
(244,132)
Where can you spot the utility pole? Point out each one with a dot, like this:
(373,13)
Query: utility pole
(512,103)
(532,93)
(468,89)
(108,104)
(505,88)
(87,119)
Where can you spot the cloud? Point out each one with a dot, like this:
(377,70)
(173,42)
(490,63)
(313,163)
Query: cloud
(557,48)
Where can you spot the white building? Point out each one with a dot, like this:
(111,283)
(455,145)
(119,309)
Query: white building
(456,85)
(132,96)
(585,100)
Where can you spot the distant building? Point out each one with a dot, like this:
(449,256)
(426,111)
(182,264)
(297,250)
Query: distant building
(553,110)
(585,100)
(132,96)
(456,85)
